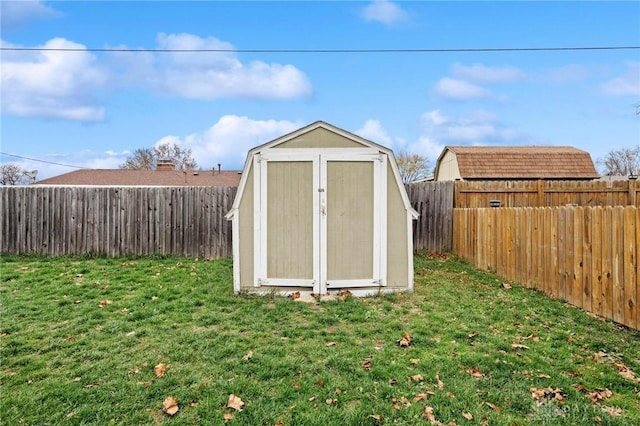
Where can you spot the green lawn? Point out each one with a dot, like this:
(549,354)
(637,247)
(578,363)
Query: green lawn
(81,338)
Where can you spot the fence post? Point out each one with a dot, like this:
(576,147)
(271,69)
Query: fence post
(632,192)
(540,199)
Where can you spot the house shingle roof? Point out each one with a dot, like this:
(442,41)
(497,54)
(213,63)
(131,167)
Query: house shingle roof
(524,162)
(125,177)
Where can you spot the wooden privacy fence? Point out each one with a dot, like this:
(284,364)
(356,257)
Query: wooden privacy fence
(433,230)
(547,193)
(586,256)
(116,221)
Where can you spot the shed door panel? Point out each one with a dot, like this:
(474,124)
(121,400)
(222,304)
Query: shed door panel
(290,220)
(350,225)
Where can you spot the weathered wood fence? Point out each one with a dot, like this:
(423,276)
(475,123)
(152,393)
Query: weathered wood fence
(433,231)
(586,256)
(116,221)
(547,193)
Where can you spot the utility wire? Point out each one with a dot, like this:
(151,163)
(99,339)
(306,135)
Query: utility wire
(455,50)
(42,161)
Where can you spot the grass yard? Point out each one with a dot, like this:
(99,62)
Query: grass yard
(107,341)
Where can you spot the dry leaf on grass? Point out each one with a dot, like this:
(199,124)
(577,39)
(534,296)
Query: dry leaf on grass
(235,403)
(414,361)
(518,346)
(393,381)
(103,303)
(493,407)
(330,344)
(160,369)
(366,365)
(428,414)
(506,286)
(248,356)
(170,405)
(627,373)
(227,417)
(475,372)
(401,403)
(422,396)
(295,385)
(417,378)
(599,395)
(295,295)
(406,340)
(613,411)
(467,416)
(344,295)
(440,383)
(542,395)
(377,418)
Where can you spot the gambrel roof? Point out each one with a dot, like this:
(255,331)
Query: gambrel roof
(520,162)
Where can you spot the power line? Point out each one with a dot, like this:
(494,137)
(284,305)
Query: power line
(41,161)
(454,50)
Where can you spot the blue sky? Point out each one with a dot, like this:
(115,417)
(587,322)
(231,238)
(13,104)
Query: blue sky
(92,108)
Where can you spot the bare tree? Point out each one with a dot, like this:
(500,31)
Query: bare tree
(412,167)
(147,158)
(621,162)
(12,174)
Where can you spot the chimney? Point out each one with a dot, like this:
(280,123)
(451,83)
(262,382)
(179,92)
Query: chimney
(165,165)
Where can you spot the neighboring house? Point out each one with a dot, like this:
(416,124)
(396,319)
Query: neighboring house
(513,163)
(164,175)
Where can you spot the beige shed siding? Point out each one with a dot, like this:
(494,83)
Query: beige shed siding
(398,257)
(448,169)
(290,219)
(320,138)
(245,212)
(349,220)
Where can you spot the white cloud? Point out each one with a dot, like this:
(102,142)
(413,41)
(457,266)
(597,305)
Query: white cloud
(473,128)
(229,139)
(451,88)
(14,14)
(385,12)
(373,131)
(485,74)
(211,75)
(52,84)
(625,85)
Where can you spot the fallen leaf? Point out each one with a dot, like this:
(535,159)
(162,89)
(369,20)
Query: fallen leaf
(472,335)
(405,341)
(295,385)
(518,346)
(377,417)
(467,416)
(77,379)
(475,372)
(579,387)
(320,382)
(422,396)
(506,286)
(227,417)
(417,378)
(313,398)
(493,407)
(414,361)
(103,303)
(627,373)
(338,391)
(428,414)
(92,385)
(170,405)
(440,383)
(331,401)
(145,384)
(160,369)
(330,344)
(248,356)
(235,403)
(541,395)
(393,381)
(295,295)
(366,365)
(343,295)
(613,411)
(193,404)
(544,376)
(599,395)
(130,334)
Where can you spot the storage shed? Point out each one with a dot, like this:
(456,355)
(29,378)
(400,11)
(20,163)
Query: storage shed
(320,210)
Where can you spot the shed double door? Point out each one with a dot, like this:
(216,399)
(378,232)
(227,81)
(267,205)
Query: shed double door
(321,219)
